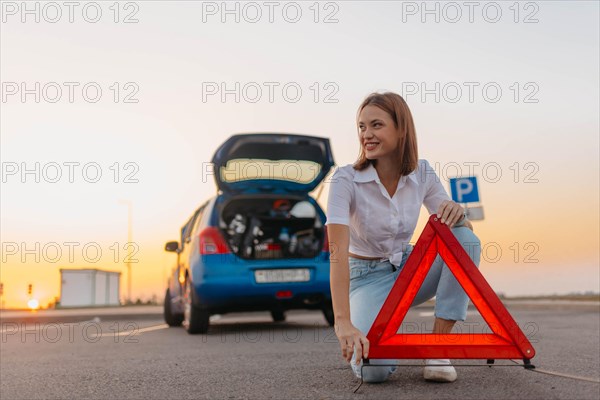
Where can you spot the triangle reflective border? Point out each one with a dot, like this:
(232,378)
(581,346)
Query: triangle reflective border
(506,341)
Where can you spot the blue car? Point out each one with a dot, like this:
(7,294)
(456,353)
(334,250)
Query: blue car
(261,243)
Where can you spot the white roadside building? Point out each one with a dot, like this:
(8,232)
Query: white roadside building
(89,287)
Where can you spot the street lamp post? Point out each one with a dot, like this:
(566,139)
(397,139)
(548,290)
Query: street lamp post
(129,241)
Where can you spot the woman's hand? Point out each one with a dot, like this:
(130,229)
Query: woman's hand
(450,213)
(350,339)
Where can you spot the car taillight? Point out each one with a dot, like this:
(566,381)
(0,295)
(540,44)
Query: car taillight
(284,294)
(212,242)
(326,240)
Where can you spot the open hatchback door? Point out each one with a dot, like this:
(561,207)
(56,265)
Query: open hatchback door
(272,163)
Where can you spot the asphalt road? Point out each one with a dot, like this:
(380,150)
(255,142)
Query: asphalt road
(248,356)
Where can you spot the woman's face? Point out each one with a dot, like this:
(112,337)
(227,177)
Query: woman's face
(377,133)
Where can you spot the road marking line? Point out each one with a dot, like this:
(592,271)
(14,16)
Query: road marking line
(129,332)
(136,331)
(576,377)
(579,378)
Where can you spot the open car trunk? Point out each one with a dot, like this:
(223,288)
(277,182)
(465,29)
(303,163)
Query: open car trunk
(269,227)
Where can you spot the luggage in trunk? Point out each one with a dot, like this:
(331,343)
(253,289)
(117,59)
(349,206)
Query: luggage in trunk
(272,228)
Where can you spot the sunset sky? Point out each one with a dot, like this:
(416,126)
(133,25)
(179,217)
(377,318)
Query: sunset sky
(536,123)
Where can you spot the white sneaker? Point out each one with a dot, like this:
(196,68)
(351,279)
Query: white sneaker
(439,371)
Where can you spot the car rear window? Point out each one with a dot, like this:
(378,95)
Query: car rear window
(299,171)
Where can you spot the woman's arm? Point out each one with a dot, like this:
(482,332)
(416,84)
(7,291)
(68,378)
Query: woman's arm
(349,337)
(339,270)
(437,200)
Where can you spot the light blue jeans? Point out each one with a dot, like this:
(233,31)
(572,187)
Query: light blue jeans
(372,280)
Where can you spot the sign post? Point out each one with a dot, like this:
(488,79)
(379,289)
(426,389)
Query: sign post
(464,190)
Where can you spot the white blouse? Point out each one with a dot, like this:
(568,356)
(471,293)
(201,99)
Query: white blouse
(381,226)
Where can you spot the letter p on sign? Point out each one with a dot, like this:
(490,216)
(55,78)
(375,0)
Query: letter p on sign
(464,190)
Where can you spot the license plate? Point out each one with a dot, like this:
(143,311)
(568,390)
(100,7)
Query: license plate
(282,275)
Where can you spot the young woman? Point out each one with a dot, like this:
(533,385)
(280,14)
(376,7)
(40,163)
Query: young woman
(372,213)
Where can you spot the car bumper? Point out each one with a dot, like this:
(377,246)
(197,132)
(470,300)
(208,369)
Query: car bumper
(227,283)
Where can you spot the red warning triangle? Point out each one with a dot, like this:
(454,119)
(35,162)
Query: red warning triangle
(506,341)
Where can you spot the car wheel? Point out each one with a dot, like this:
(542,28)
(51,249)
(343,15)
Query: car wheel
(195,318)
(278,316)
(170,318)
(328,314)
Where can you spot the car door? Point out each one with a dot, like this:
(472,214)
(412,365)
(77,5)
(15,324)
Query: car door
(186,246)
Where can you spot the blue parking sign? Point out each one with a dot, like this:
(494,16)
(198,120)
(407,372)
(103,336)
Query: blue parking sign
(464,190)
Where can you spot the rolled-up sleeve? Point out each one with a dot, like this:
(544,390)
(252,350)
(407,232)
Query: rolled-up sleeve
(340,198)
(435,193)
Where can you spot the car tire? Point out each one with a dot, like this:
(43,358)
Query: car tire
(329,316)
(195,317)
(278,315)
(170,318)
